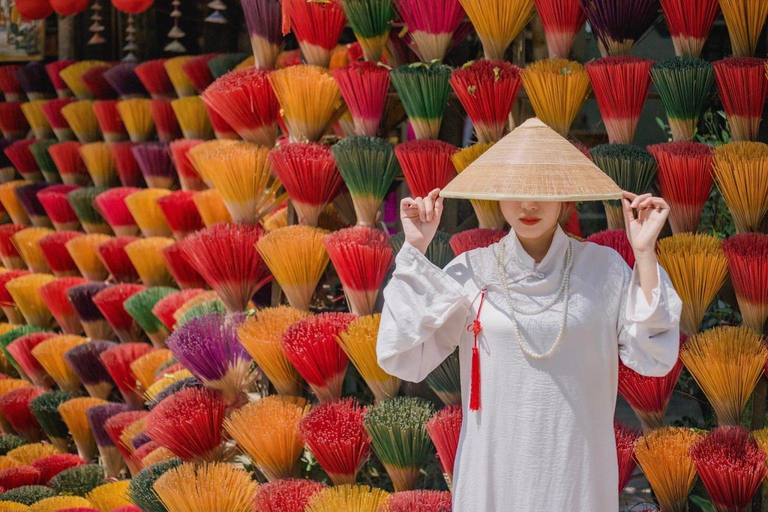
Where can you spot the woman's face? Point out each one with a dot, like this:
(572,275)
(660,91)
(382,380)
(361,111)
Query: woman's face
(531,219)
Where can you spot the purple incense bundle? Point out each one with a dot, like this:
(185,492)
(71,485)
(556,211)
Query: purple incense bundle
(156,165)
(264,21)
(85,362)
(185,383)
(110,456)
(125,81)
(618,25)
(95,325)
(35,81)
(27,195)
(140,440)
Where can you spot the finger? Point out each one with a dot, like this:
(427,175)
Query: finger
(629,215)
(434,194)
(408,207)
(439,206)
(628,195)
(429,207)
(637,200)
(647,203)
(422,210)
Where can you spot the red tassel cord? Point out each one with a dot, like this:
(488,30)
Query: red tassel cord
(476,328)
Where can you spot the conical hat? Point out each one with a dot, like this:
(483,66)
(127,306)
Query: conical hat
(533,163)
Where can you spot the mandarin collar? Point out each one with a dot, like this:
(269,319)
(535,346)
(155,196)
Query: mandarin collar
(516,254)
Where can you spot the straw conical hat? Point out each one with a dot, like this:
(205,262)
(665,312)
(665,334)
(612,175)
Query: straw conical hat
(533,163)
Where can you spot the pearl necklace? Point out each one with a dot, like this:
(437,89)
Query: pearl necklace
(564,288)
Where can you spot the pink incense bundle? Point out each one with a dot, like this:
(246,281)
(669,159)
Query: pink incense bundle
(246,101)
(742,85)
(110,303)
(117,362)
(57,207)
(110,122)
(361,256)
(52,112)
(562,21)
(617,240)
(114,428)
(111,206)
(487,89)
(689,22)
(181,213)
(419,501)
(20,350)
(180,269)
(309,174)
(625,448)
(226,256)
(747,255)
(54,248)
(97,85)
(317,27)
(7,303)
(310,345)
(14,406)
(13,122)
(426,165)
(431,24)
(127,167)
(188,176)
(198,72)
(685,181)
(621,84)
(444,429)
(474,239)
(9,84)
(8,253)
(112,254)
(69,163)
(166,124)
(155,79)
(364,87)
(167,306)
(54,295)
(53,69)
(22,159)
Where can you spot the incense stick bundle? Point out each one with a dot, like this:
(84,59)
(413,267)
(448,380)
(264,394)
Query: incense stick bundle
(50,354)
(148,215)
(145,254)
(156,165)
(498,23)
(83,252)
(562,21)
(625,447)
(140,305)
(81,200)
(286,495)
(145,368)
(82,121)
(737,168)
(426,500)
(557,89)
(112,254)
(33,111)
(193,118)
(10,255)
(199,152)
(348,497)
(423,90)
(263,18)
(117,361)
(93,321)
(206,487)
(44,161)
(746,254)
(35,82)
(685,181)
(54,295)
(309,99)
(85,361)
(13,122)
(53,247)
(9,84)
(45,410)
(619,27)
(359,343)
(197,71)
(14,405)
(137,118)
(110,122)
(127,167)
(181,84)
(52,110)
(317,27)
(181,270)
(20,350)
(27,196)
(188,177)
(7,303)
(745,21)
(471,239)
(66,156)
(22,158)
(439,251)
(110,302)
(226,62)
(167,125)
(110,456)
(742,85)
(488,212)
(53,69)
(100,163)
(431,26)
(124,80)
(12,205)
(364,87)
(111,205)
(73,413)
(110,496)
(444,429)
(155,79)
(181,213)
(212,208)
(26,243)
(97,85)
(167,306)
(684,84)
(78,480)
(370,22)
(426,165)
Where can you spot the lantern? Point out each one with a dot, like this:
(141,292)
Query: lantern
(34,9)
(132,6)
(69,7)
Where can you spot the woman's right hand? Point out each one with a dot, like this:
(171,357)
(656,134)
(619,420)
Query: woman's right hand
(420,218)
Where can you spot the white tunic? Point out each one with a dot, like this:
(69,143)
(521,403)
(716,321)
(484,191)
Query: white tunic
(543,440)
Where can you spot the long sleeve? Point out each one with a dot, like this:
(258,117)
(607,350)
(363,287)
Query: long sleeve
(649,334)
(424,316)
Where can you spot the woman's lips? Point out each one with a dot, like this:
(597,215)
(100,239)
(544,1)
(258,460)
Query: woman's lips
(529,221)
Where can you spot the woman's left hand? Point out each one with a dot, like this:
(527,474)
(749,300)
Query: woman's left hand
(644,230)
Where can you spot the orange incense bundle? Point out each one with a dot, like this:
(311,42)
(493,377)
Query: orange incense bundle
(26,242)
(621,85)
(444,429)
(562,21)
(110,302)
(317,27)
(742,85)
(100,164)
(50,354)
(7,303)
(155,79)
(200,152)
(111,205)
(625,447)
(148,215)
(127,167)
(426,165)
(11,203)
(747,256)
(54,295)
(310,345)
(52,112)
(361,256)
(73,414)
(54,201)
(181,213)
(738,168)
(33,111)
(685,181)
(117,361)
(13,122)
(745,21)
(188,176)
(364,87)
(8,253)
(23,160)
(180,269)
(212,208)
(83,252)
(137,118)
(110,122)
(246,101)
(115,259)
(145,254)
(470,239)
(498,23)
(487,90)
(69,163)
(197,71)
(488,212)
(9,84)
(56,254)
(146,366)
(310,176)
(26,296)
(167,125)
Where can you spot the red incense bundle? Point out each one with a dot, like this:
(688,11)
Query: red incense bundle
(8,253)
(625,448)
(54,295)
(188,176)
(117,361)
(617,240)
(114,428)
(364,87)
(62,90)
(21,351)
(167,306)
(181,213)
(562,21)
(742,85)
(56,254)
(246,101)
(689,23)
(112,254)
(181,270)
(22,159)
(97,85)
(127,167)
(166,124)
(221,128)
(110,122)
(621,86)
(310,345)
(14,406)
(69,163)
(57,207)
(52,465)
(286,495)
(685,181)
(747,255)
(419,501)
(431,24)
(426,165)
(198,72)
(474,239)
(13,122)
(310,176)
(110,303)
(487,89)
(9,84)
(19,476)
(52,112)
(317,27)
(361,256)
(444,429)
(111,206)
(155,79)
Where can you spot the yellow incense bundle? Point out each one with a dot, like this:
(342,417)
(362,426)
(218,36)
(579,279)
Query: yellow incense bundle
(25,291)
(260,335)
(129,432)
(73,77)
(359,498)
(8,462)
(73,414)
(29,453)
(557,89)
(194,301)
(146,257)
(296,256)
(745,20)
(50,355)
(145,367)
(33,111)
(210,486)
(498,22)
(83,251)
(110,496)
(82,120)
(56,503)
(158,455)
(741,174)
(163,382)
(275,220)
(193,118)
(488,213)
(26,242)
(11,203)
(181,82)
(146,212)
(100,164)
(697,267)
(211,207)
(137,118)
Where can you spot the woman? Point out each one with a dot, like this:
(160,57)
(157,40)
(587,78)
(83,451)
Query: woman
(553,317)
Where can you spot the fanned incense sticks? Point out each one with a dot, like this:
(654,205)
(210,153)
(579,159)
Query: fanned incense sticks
(82,121)
(193,118)
(145,367)
(117,361)
(20,350)
(9,84)
(426,165)
(73,413)
(619,27)
(110,123)
(562,20)
(110,303)
(127,167)
(86,363)
(146,257)
(444,429)
(53,69)
(13,122)
(167,306)
(167,125)
(309,98)
(52,110)
(137,118)
(359,343)
(470,239)
(14,406)
(44,161)
(81,201)
(79,480)
(557,89)
(621,85)
(26,242)
(100,163)
(423,90)
(11,310)
(66,156)
(110,456)
(54,295)
(33,111)
(370,21)
(431,25)
(684,84)
(34,80)
(27,196)
(364,87)
(111,205)
(83,251)
(625,448)
(286,495)
(123,79)
(50,354)
(140,305)
(739,173)
(745,21)
(10,255)
(487,90)
(181,213)
(197,71)
(742,85)
(52,465)
(181,84)
(488,213)
(27,495)
(445,380)
(109,496)
(96,84)
(148,215)
(747,265)
(226,62)
(263,18)
(112,254)
(421,500)
(21,157)
(156,165)
(498,22)
(155,79)
(317,27)
(188,177)
(439,251)
(140,490)
(180,269)
(94,323)
(206,487)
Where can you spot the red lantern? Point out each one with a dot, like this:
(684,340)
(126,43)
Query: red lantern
(34,9)
(132,6)
(69,7)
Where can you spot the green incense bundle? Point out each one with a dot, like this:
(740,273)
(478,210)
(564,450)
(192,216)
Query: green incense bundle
(223,64)
(78,481)
(81,201)
(45,410)
(10,336)
(423,89)
(44,161)
(140,305)
(445,380)
(439,251)
(685,86)
(27,494)
(370,21)
(206,308)
(10,442)
(368,167)
(140,491)
(399,438)
(631,167)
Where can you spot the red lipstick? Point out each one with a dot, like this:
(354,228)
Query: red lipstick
(529,221)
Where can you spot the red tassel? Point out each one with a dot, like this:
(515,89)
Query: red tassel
(474,397)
